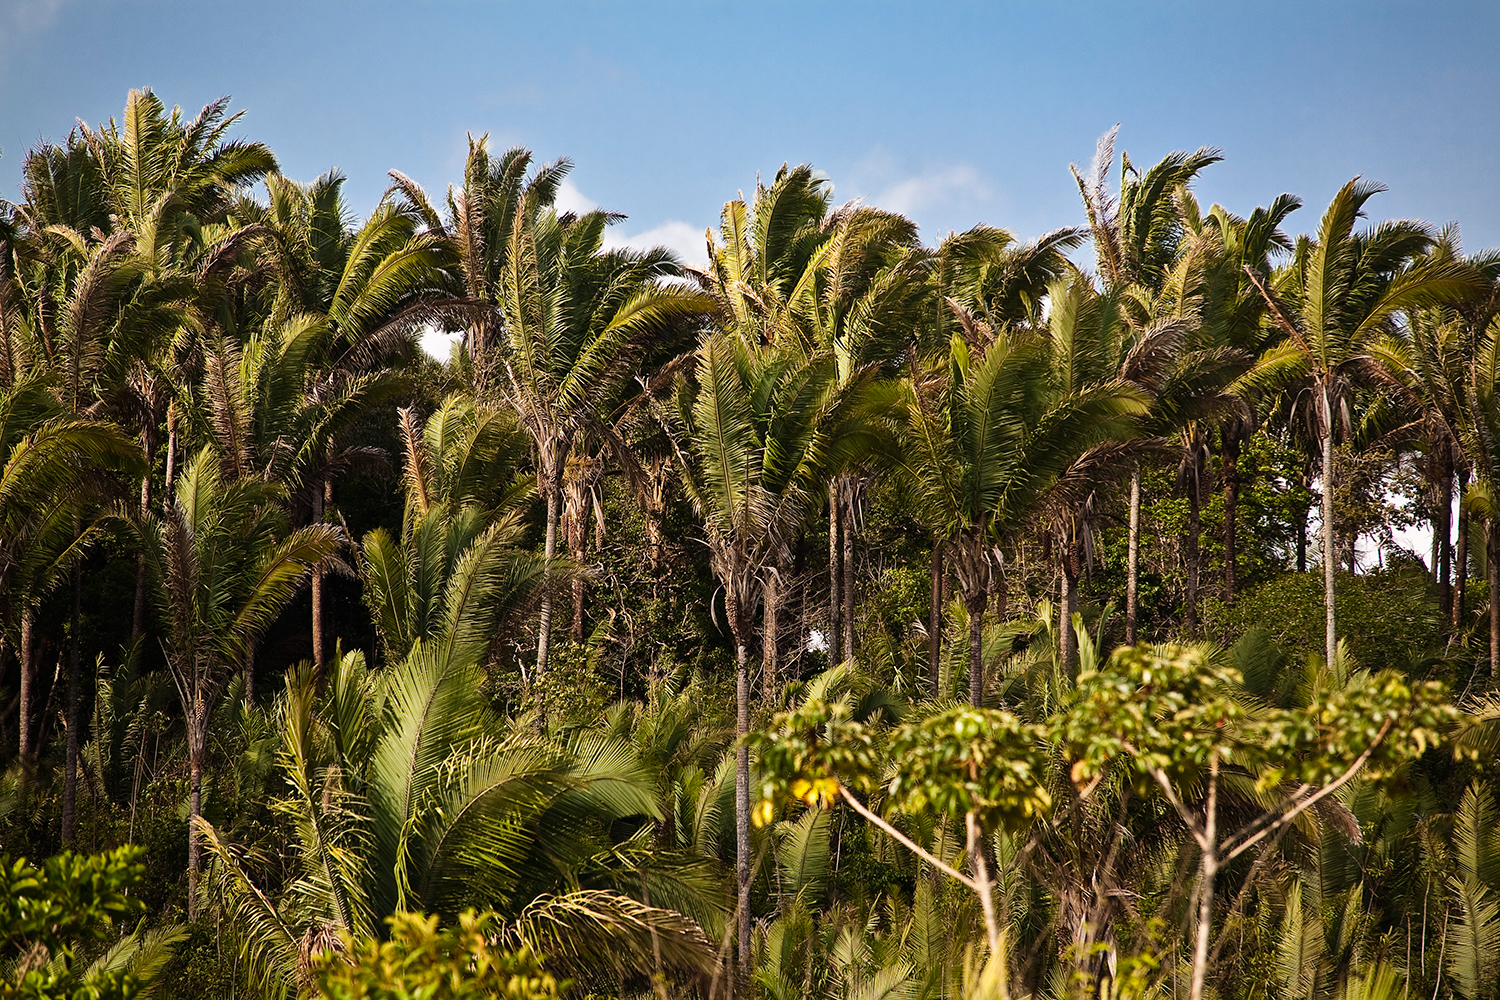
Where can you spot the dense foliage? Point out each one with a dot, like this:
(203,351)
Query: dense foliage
(849,617)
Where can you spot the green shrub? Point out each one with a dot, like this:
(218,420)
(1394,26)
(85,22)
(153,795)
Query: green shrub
(422,962)
(1388,618)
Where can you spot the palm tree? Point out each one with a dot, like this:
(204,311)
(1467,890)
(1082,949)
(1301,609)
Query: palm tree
(1138,243)
(763,257)
(1089,342)
(95,312)
(481,219)
(407,793)
(579,321)
(996,441)
(1351,284)
(1231,317)
(55,474)
(1426,367)
(757,433)
(458,553)
(349,305)
(859,297)
(155,166)
(1482,497)
(225,566)
(983,274)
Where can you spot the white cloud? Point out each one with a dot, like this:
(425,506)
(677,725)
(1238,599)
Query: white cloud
(570,199)
(961,185)
(683,238)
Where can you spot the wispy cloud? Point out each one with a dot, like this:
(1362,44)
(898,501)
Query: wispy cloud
(22,19)
(28,16)
(940,188)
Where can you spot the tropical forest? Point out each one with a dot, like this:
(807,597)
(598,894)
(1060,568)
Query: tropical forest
(867,614)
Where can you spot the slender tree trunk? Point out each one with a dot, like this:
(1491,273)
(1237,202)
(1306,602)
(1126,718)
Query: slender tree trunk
(170,485)
(1461,558)
(27,706)
(1302,543)
(1442,541)
(1208,868)
(848,531)
(1330,555)
(770,643)
(742,801)
(1231,472)
(1133,558)
(653,510)
(249,670)
(935,620)
(1192,548)
(835,573)
(976,603)
(1067,639)
(70,757)
(544,627)
(138,619)
(197,739)
(1492,560)
(977,849)
(320,655)
(577,528)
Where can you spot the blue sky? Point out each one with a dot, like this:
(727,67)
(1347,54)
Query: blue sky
(954,113)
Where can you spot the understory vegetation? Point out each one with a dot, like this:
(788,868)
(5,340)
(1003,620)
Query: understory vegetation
(851,617)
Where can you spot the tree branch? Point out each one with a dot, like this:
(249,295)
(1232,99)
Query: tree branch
(1312,800)
(905,841)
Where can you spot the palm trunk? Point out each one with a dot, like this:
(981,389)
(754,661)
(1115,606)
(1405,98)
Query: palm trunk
(1302,543)
(544,626)
(742,801)
(835,572)
(138,619)
(1330,556)
(1231,472)
(27,706)
(770,643)
(1192,549)
(1067,639)
(170,485)
(848,532)
(1492,559)
(977,848)
(935,620)
(654,542)
(249,671)
(70,758)
(1133,558)
(976,603)
(1442,542)
(197,739)
(1461,558)
(319,653)
(576,528)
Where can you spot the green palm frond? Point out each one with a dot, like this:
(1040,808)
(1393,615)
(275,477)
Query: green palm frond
(586,933)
